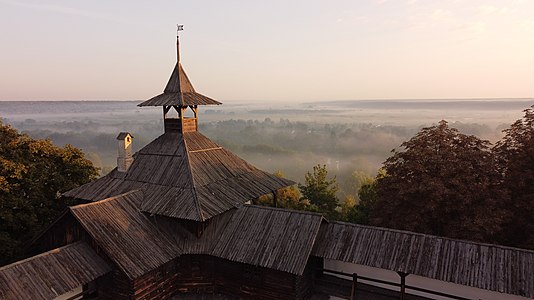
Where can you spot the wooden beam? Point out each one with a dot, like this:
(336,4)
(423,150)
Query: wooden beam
(165,111)
(402,285)
(354,286)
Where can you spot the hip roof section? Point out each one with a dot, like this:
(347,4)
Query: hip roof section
(185,176)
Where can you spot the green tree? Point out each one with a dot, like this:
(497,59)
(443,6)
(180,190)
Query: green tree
(321,191)
(443,183)
(33,174)
(288,197)
(515,153)
(367,197)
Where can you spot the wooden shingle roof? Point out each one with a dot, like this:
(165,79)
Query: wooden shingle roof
(51,274)
(125,234)
(180,92)
(269,237)
(185,176)
(491,267)
(274,238)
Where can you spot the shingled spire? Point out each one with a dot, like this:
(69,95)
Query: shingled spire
(179,82)
(179,95)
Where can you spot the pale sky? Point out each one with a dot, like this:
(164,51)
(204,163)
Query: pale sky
(268,50)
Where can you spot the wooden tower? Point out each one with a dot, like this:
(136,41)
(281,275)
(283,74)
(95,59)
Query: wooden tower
(179,95)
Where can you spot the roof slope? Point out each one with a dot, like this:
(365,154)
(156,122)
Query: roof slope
(485,266)
(179,91)
(185,176)
(53,273)
(125,234)
(268,237)
(273,238)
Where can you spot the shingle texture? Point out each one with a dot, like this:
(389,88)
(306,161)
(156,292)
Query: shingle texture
(52,273)
(485,266)
(185,176)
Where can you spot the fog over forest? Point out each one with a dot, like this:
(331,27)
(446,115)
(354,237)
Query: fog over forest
(352,138)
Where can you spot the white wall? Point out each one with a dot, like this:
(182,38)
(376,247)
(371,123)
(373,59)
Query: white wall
(417,281)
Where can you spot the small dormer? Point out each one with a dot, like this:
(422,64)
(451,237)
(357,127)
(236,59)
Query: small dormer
(125,155)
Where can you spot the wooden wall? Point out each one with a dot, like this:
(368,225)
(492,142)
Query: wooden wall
(64,231)
(304,284)
(161,283)
(207,274)
(187,274)
(203,274)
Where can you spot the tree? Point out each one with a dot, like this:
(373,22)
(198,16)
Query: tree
(443,183)
(288,197)
(367,196)
(321,191)
(33,174)
(515,153)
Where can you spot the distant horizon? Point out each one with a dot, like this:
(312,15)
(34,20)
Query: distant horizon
(277,51)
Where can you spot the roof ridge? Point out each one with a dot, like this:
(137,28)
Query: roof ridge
(304,212)
(193,185)
(106,199)
(433,236)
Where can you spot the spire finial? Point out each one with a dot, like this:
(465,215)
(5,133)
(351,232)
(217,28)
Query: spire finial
(179,28)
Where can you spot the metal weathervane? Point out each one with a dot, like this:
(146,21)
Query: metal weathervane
(179,28)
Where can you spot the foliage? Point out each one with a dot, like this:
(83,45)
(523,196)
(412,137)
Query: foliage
(33,174)
(515,153)
(321,191)
(288,197)
(444,183)
(367,196)
(348,204)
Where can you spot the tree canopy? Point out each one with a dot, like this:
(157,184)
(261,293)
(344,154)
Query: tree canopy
(33,174)
(321,191)
(515,153)
(443,183)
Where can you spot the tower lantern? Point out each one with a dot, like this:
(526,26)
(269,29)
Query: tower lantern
(180,96)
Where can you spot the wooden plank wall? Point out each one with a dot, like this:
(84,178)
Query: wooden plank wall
(115,286)
(207,274)
(64,231)
(304,285)
(189,125)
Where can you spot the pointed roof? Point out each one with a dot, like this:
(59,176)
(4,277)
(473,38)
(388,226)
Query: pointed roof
(179,90)
(185,176)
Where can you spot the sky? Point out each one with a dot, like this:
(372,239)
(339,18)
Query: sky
(272,51)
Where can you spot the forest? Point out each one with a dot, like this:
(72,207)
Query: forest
(457,179)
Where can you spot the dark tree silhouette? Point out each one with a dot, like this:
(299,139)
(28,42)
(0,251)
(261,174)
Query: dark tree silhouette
(515,153)
(443,183)
(33,174)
